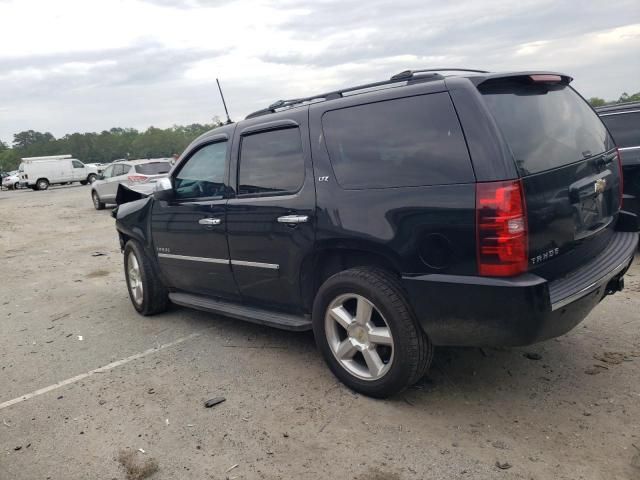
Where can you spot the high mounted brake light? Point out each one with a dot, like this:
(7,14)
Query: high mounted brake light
(501,226)
(545,78)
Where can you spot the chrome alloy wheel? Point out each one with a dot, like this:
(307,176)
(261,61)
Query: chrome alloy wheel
(359,336)
(134,278)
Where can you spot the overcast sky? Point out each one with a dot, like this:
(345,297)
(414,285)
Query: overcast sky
(88,65)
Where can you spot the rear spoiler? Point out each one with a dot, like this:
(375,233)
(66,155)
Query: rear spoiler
(529,76)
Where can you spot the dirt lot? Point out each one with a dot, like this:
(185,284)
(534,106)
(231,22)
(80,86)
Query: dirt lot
(573,413)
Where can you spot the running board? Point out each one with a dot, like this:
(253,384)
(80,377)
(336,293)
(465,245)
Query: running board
(284,321)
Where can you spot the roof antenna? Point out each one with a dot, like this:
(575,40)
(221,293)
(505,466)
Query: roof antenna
(224,103)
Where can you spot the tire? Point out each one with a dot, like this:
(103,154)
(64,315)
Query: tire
(152,297)
(42,184)
(83,182)
(91,178)
(403,362)
(97,204)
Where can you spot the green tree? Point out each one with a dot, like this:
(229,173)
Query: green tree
(597,101)
(625,97)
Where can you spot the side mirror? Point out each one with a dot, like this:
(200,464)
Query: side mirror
(163,189)
(100,176)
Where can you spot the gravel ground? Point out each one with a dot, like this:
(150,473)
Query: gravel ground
(564,409)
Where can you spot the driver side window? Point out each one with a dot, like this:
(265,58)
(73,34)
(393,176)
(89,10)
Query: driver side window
(203,175)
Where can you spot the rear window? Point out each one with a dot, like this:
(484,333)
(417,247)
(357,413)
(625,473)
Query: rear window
(546,126)
(397,143)
(624,127)
(155,168)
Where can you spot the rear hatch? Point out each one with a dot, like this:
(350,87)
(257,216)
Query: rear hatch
(568,166)
(148,172)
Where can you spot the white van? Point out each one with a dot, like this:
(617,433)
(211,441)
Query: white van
(40,172)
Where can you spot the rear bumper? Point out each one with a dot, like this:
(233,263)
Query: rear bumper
(481,311)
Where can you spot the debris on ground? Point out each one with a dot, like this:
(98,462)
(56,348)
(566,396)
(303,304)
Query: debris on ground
(596,369)
(214,401)
(135,468)
(98,254)
(499,445)
(503,466)
(19,447)
(612,358)
(231,468)
(635,461)
(532,356)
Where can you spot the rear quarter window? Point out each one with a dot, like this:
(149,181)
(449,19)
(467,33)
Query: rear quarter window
(403,142)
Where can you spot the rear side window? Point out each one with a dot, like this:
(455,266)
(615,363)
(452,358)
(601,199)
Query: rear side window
(624,127)
(271,163)
(397,143)
(546,126)
(155,168)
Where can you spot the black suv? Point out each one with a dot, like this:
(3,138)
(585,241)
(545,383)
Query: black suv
(623,121)
(468,209)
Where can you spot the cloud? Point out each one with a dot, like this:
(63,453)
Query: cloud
(87,66)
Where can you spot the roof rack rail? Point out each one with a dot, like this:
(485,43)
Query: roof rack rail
(405,76)
(408,74)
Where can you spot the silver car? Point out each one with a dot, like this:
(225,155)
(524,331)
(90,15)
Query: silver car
(140,175)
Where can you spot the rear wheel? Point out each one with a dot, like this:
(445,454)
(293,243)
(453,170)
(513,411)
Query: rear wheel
(42,184)
(148,295)
(98,205)
(367,333)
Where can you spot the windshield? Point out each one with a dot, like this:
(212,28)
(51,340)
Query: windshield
(546,126)
(155,168)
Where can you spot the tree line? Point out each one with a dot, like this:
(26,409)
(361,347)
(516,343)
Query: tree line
(103,147)
(625,97)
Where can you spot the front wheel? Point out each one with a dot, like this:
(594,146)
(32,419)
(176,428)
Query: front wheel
(148,295)
(367,333)
(91,178)
(97,203)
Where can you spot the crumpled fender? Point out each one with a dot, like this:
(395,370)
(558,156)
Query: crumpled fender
(133,220)
(128,194)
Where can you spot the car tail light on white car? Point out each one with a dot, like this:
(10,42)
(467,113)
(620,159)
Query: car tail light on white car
(138,178)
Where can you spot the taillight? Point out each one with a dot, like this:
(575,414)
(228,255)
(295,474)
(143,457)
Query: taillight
(501,225)
(621,176)
(138,178)
(546,78)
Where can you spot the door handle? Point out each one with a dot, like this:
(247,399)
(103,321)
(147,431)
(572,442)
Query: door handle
(209,221)
(293,219)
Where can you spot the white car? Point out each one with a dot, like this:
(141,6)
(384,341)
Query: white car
(11,181)
(139,175)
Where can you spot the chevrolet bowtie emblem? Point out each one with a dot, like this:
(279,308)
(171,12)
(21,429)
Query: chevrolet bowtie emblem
(599,186)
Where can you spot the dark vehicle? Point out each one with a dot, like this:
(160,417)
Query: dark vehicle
(623,122)
(471,209)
